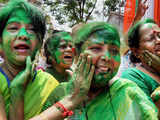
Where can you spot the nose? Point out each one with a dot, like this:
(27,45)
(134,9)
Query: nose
(105,56)
(69,48)
(22,35)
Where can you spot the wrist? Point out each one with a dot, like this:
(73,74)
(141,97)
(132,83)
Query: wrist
(65,111)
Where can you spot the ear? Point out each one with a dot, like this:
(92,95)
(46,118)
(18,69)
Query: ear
(1,50)
(136,52)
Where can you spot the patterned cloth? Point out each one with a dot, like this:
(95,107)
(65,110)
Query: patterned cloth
(36,93)
(143,80)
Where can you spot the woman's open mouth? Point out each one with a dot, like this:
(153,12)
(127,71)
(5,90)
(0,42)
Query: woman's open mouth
(21,48)
(68,58)
(102,69)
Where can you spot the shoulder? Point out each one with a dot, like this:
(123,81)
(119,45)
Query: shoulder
(127,86)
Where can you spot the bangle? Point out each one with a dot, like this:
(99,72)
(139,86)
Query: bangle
(65,111)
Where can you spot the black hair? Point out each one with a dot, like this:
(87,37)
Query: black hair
(37,18)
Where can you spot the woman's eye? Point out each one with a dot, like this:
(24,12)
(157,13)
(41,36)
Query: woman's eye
(62,46)
(30,30)
(12,28)
(95,49)
(70,46)
(114,51)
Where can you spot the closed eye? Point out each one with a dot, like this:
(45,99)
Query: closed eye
(95,49)
(114,51)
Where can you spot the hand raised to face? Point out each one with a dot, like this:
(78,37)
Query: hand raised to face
(23,77)
(82,77)
(152,60)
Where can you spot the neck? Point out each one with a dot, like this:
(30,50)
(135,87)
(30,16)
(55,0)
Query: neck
(59,73)
(93,92)
(151,72)
(11,70)
(59,69)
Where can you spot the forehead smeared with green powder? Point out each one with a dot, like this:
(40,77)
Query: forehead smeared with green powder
(53,42)
(37,18)
(102,29)
(108,37)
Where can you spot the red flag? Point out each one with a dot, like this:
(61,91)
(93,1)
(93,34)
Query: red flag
(129,14)
(156,11)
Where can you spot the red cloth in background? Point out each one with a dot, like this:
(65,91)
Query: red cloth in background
(129,14)
(157,11)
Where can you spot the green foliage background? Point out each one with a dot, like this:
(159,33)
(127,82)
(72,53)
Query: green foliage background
(76,11)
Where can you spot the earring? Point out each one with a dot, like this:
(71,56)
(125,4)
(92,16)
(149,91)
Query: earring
(150,62)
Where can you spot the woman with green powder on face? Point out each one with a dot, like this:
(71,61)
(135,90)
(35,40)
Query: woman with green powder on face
(59,54)
(107,98)
(22,31)
(24,93)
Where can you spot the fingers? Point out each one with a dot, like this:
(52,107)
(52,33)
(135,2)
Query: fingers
(91,73)
(82,64)
(88,65)
(152,56)
(69,72)
(156,94)
(79,59)
(28,63)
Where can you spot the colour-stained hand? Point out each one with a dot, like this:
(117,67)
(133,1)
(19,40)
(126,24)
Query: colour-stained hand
(81,77)
(17,89)
(22,77)
(2,109)
(141,10)
(152,60)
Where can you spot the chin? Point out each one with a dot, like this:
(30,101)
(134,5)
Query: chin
(20,60)
(101,80)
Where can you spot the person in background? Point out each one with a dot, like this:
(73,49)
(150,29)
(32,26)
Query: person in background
(141,39)
(59,54)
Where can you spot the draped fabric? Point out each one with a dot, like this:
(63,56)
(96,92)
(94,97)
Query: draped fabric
(35,95)
(156,11)
(129,13)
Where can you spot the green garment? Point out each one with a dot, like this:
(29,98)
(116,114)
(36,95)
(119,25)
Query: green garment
(124,100)
(59,77)
(144,81)
(36,92)
(59,92)
(4,89)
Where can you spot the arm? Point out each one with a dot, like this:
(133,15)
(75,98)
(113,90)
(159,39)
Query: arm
(141,10)
(2,109)
(16,111)
(79,87)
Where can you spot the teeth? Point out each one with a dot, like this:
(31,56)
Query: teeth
(103,69)
(68,57)
(21,47)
